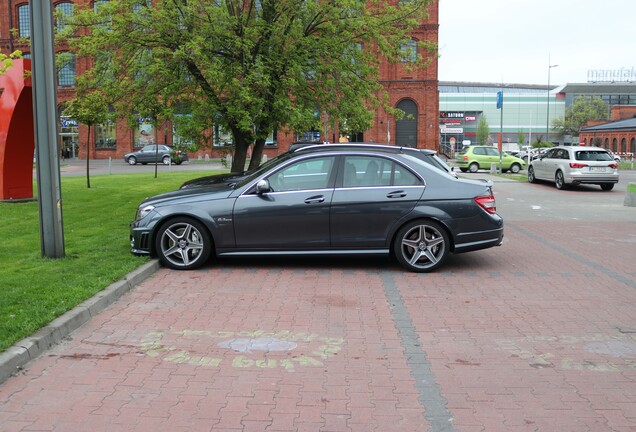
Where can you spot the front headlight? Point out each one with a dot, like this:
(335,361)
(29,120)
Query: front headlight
(142,212)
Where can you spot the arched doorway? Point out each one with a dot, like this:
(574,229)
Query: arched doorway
(406,129)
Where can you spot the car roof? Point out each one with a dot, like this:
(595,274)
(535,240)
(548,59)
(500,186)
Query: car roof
(360,146)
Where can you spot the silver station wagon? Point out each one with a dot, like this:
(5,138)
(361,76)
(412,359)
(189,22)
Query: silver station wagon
(575,165)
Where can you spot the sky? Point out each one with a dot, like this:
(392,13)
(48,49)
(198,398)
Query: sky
(515,41)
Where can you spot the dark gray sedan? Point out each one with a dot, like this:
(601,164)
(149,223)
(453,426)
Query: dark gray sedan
(316,202)
(156,153)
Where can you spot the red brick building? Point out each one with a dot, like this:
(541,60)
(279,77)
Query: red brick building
(412,91)
(617,135)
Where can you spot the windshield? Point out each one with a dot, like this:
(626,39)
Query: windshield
(593,155)
(263,168)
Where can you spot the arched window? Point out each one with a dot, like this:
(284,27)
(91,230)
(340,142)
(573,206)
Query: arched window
(632,147)
(24,29)
(63,13)
(623,145)
(584,141)
(66,70)
(615,145)
(406,129)
(607,143)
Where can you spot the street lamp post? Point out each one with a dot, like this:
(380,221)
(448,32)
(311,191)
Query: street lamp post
(547,121)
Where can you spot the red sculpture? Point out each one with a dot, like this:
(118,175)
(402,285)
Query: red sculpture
(17,142)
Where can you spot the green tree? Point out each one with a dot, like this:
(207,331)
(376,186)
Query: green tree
(6,61)
(582,110)
(483,131)
(248,66)
(89,110)
(521,138)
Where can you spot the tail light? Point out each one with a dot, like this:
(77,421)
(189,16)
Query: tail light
(613,166)
(487,202)
(577,165)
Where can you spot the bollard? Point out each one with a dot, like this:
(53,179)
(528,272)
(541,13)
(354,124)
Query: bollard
(493,168)
(630,195)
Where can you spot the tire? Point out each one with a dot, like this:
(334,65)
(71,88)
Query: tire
(421,246)
(463,169)
(183,244)
(607,186)
(531,177)
(515,168)
(559,180)
(473,167)
(166,160)
(132,160)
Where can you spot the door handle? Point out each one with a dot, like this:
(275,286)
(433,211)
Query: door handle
(396,194)
(315,199)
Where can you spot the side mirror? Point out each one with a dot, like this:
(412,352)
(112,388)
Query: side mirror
(262,187)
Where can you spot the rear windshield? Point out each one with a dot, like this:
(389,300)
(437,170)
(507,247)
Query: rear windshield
(593,155)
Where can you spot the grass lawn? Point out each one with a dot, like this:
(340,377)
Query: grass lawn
(35,290)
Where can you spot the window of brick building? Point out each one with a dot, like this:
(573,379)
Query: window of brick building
(66,70)
(23,21)
(63,13)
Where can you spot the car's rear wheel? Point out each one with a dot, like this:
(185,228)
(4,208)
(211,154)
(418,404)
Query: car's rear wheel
(463,169)
(183,243)
(607,186)
(166,160)
(515,168)
(473,167)
(421,246)
(132,160)
(531,177)
(559,180)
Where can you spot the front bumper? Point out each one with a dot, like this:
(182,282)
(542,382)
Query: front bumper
(140,239)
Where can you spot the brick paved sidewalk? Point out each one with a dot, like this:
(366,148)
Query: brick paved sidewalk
(534,338)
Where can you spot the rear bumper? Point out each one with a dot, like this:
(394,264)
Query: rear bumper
(479,240)
(591,179)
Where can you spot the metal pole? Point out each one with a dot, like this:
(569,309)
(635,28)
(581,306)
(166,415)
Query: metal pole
(501,136)
(547,121)
(46,131)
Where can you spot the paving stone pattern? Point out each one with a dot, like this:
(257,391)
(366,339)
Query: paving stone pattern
(537,335)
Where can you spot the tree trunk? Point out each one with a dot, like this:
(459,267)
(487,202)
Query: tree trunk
(257,153)
(242,141)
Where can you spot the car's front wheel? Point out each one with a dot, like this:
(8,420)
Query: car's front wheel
(559,180)
(183,244)
(421,246)
(531,177)
(132,160)
(473,167)
(515,168)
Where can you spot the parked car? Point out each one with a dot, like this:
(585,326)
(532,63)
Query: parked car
(324,201)
(574,165)
(156,153)
(474,158)
(428,156)
(616,157)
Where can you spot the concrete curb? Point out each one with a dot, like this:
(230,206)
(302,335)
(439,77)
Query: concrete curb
(14,358)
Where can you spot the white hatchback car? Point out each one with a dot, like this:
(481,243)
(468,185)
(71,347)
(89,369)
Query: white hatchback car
(574,165)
